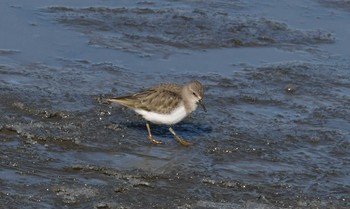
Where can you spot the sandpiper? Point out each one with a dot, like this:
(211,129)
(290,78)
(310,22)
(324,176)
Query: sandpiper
(166,103)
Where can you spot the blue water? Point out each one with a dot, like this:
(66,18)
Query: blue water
(261,145)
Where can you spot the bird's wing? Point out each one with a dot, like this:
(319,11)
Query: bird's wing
(158,100)
(152,99)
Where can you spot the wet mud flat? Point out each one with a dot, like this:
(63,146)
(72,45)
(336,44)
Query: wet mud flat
(276,135)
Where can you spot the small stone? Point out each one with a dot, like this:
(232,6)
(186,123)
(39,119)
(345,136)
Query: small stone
(290,88)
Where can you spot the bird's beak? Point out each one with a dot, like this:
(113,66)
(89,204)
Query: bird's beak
(202,105)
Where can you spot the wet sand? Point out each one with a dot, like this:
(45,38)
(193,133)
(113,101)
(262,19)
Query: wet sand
(277,79)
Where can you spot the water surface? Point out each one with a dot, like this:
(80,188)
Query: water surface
(276,74)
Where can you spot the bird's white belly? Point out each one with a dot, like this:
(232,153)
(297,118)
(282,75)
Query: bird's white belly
(174,117)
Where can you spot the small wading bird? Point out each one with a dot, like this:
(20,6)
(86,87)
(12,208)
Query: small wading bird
(166,103)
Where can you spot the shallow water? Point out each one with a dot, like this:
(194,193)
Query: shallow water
(276,134)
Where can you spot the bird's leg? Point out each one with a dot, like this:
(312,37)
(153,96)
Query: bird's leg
(153,141)
(183,142)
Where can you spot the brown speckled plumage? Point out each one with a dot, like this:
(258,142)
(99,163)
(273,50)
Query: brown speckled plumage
(161,98)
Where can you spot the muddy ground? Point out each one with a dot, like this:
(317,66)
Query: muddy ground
(277,90)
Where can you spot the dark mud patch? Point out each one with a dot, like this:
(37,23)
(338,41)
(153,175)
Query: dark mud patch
(4,52)
(260,144)
(300,125)
(337,4)
(151,30)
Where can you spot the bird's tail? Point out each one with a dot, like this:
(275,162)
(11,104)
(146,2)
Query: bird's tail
(123,100)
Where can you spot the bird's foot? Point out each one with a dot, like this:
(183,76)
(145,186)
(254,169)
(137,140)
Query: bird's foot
(183,142)
(154,141)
